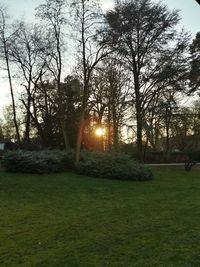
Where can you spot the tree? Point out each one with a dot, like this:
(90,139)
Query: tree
(107,106)
(108,102)
(52,14)
(8,126)
(167,109)
(26,52)
(1,130)
(195,64)
(144,34)
(5,43)
(87,21)
(196,118)
(47,102)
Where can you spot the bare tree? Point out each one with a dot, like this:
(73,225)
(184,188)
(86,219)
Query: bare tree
(5,43)
(27,54)
(52,15)
(110,98)
(87,21)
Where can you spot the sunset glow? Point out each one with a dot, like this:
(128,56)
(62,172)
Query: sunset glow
(100,131)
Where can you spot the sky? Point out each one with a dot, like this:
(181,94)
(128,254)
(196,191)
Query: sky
(189,12)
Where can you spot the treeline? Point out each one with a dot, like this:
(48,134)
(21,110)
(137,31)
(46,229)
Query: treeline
(129,68)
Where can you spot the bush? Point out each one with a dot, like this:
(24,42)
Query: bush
(47,161)
(105,165)
(112,166)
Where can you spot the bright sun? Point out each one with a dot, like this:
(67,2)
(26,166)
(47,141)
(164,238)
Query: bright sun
(99,131)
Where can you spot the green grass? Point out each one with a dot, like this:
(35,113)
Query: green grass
(70,220)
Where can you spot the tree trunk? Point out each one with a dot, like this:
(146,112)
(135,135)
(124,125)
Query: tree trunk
(115,125)
(167,137)
(80,134)
(109,126)
(65,136)
(139,119)
(28,121)
(61,113)
(139,138)
(12,96)
(115,134)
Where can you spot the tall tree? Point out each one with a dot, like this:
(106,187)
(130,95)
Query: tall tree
(109,99)
(8,126)
(5,42)
(195,63)
(87,18)
(27,53)
(46,101)
(144,33)
(52,15)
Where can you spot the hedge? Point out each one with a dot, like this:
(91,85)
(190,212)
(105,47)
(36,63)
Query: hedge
(112,166)
(47,161)
(104,165)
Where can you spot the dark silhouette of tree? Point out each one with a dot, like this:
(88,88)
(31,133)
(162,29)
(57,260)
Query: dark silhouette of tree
(86,22)
(5,43)
(195,64)
(144,35)
(109,100)
(26,51)
(8,126)
(47,106)
(52,15)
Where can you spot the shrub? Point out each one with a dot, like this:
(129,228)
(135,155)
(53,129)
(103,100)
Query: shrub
(47,161)
(105,165)
(112,166)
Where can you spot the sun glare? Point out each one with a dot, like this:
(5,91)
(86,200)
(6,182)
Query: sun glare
(99,131)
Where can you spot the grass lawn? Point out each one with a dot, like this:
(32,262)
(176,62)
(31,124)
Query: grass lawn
(70,220)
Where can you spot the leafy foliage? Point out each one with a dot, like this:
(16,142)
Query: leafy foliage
(144,34)
(112,166)
(47,161)
(195,63)
(104,165)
